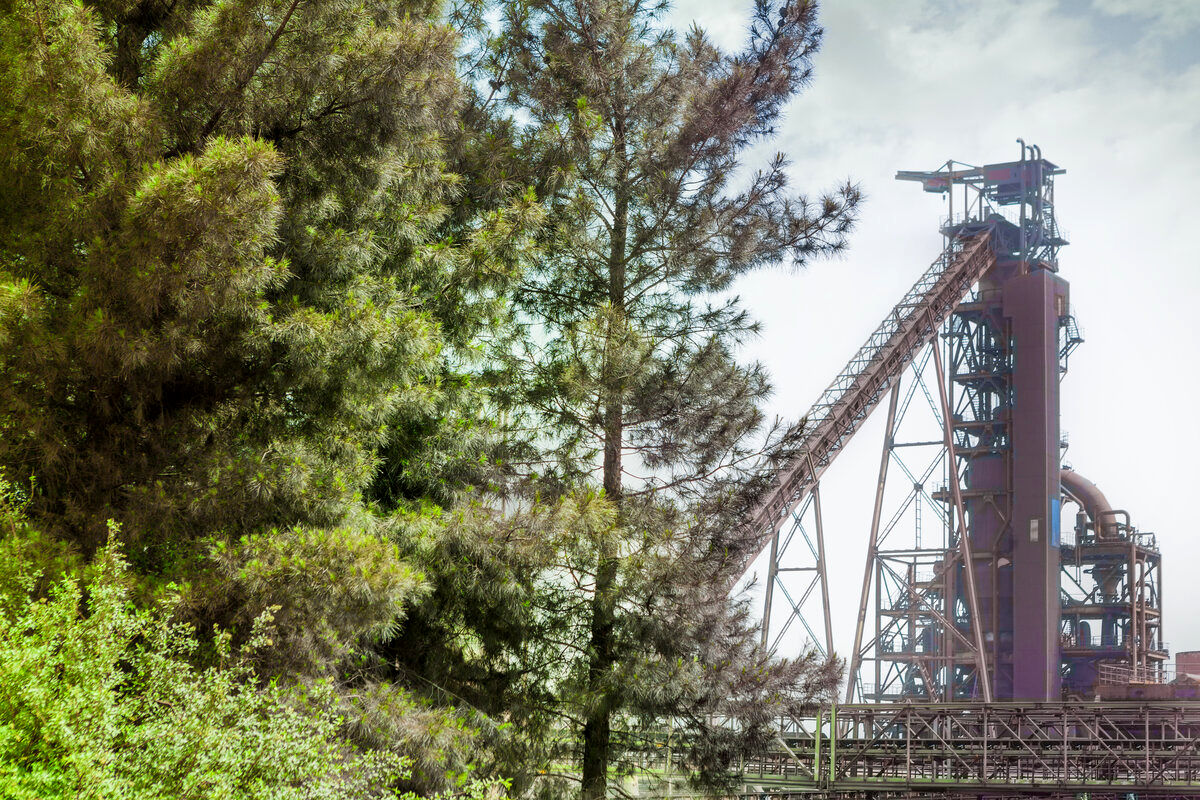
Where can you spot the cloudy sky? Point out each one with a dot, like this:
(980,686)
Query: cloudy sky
(1110,89)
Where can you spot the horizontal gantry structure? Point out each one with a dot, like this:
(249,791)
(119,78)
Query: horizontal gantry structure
(992,750)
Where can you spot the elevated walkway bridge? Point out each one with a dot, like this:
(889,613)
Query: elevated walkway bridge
(968,750)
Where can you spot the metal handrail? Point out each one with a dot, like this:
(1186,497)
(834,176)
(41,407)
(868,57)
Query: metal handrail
(1123,674)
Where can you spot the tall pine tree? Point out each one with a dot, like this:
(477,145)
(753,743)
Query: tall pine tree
(635,138)
(225,262)
(230,273)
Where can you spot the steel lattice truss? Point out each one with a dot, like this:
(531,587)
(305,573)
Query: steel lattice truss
(911,557)
(1103,751)
(928,650)
(999,749)
(858,388)
(838,414)
(922,648)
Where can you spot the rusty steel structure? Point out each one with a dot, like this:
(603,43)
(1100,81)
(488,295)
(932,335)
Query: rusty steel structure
(975,590)
(953,751)
(848,401)
(998,651)
(992,750)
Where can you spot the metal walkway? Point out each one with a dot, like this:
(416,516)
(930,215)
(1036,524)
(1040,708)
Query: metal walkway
(993,750)
(954,751)
(858,388)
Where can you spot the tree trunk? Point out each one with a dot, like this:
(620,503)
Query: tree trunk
(597,728)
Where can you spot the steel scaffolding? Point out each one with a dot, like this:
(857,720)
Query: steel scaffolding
(978,477)
(837,415)
(1055,749)
(952,750)
(994,622)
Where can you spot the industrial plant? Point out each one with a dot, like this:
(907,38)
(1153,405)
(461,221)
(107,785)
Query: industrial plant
(1009,638)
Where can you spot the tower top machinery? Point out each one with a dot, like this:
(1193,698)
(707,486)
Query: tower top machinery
(1014,200)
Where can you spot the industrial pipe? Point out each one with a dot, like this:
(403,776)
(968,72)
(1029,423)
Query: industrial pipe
(1093,501)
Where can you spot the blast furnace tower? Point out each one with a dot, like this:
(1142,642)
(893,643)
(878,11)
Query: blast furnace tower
(1004,367)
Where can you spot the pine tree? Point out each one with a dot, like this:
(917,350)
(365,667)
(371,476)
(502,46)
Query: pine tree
(461,446)
(229,264)
(212,212)
(232,274)
(634,137)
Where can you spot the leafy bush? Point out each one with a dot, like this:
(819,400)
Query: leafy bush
(98,700)
(328,589)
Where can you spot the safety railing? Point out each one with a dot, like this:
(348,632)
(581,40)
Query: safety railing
(1120,674)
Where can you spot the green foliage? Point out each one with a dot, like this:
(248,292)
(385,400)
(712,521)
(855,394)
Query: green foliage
(233,281)
(636,138)
(329,590)
(481,640)
(275,285)
(98,699)
(218,255)
(506,630)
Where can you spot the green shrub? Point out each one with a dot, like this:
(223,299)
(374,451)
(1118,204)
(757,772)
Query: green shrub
(98,700)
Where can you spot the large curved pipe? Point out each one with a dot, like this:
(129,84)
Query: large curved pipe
(1093,501)
(1086,493)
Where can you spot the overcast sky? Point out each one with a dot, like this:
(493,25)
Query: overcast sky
(1110,89)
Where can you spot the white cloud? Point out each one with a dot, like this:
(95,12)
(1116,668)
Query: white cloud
(1171,17)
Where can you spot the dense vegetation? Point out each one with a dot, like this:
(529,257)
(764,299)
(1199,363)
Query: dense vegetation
(372,421)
